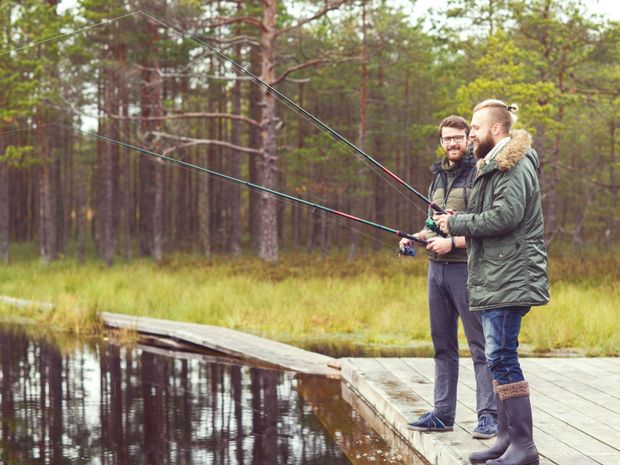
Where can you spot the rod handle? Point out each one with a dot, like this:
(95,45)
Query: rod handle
(437,208)
(411,237)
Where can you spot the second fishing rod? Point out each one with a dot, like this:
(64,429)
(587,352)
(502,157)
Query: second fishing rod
(404,251)
(299,110)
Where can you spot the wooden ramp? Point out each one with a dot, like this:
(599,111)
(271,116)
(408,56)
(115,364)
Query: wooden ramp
(576,406)
(235,343)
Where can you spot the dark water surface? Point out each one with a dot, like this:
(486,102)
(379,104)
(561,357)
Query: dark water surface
(99,403)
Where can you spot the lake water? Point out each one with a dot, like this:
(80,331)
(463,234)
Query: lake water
(102,403)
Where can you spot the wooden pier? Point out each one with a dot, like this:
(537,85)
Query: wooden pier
(228,341)
(575,402)
(243,346)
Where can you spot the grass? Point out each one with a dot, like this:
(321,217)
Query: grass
(375,304)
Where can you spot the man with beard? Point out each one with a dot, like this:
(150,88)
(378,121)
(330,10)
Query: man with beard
(507,263)
(447,299)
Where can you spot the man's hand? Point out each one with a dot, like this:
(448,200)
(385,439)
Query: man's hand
(442,220)
(407,242)
(439,245)
(404,242)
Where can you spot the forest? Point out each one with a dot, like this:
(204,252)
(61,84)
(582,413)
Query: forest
(143,73)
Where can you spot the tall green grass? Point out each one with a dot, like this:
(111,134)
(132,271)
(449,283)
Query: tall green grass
(375,302)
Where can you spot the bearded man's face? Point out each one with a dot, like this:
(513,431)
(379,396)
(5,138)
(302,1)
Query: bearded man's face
(481,133)
(483,144)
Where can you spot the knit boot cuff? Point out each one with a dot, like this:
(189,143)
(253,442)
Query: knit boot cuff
(518,389)
(495,386)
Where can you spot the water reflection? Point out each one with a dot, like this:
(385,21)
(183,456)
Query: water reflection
(110,405)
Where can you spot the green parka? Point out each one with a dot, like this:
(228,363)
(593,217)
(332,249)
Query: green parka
(503,226)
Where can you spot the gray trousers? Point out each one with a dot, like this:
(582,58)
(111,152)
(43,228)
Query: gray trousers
(447,300)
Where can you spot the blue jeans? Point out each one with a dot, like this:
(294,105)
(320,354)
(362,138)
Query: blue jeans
(501,328)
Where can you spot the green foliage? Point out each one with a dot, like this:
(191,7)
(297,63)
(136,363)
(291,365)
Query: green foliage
(504,75)
(17,156)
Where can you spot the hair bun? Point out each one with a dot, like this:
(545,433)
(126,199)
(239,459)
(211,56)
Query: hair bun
(512,108)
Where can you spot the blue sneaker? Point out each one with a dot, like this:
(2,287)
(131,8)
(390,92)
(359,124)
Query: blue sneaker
(429,422)
(487,427)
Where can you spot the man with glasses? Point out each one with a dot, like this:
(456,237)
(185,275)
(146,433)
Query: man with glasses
(453,177)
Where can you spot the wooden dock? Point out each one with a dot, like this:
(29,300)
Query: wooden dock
(228,341)
(576,406)
(240,345)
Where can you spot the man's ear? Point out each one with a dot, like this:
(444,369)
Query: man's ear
(496,129)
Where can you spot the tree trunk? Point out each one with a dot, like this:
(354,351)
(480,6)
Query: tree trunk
(80,182)
(4,207)
(145,205)
(47,210)
(234,194)
(361,130)
(204,199)
(126,198)
(404,210)
(268,242)
(105,175)
(610,232)
(296,210)
(551,198)
(152,172)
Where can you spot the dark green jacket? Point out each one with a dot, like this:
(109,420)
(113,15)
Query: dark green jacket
(503,226)
(450,188)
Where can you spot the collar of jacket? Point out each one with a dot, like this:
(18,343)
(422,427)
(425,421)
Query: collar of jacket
(467,161)
(514,151)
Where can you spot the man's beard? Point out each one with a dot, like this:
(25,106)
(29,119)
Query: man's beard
(484,146)
(456,158)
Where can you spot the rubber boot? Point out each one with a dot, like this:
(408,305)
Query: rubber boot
(521,449)
(501,443)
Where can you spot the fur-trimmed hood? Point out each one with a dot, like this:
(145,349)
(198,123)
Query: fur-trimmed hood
(519,146)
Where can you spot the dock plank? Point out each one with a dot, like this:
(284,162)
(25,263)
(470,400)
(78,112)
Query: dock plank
(574,384)
(583,371)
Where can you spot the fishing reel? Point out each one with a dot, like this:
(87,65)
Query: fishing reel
(406,250)
(430,224)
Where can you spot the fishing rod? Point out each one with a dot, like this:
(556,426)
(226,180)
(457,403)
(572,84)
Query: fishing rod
(409,251)
(282,97)
(297,108)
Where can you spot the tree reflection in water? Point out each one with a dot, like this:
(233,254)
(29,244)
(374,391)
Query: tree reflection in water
(106,404)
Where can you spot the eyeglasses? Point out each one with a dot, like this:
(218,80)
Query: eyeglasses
(455,139)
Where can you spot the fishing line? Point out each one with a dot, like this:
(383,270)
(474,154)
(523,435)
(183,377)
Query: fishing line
(68,34)
(333,219)
(243,182)
(322,127)
(29,128)
(222,178)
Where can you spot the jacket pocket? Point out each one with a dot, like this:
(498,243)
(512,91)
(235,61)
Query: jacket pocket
(498,252)
(505,266)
